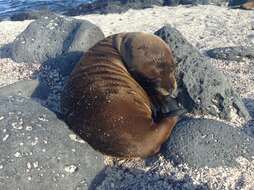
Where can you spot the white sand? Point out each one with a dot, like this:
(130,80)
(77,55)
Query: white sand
(205,27)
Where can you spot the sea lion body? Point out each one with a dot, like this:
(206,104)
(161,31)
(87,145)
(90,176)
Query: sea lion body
(106,100)
(248,5)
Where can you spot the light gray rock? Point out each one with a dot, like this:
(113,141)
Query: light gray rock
(231,53)
(203,142)
(201,88)
(26,88)
(38,151)
(52,36)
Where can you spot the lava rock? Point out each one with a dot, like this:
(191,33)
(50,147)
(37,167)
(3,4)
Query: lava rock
(26,88)
(120,6)
(50,37)
(112,6)
(201,88)
(38,151)
(194,2)
(231,53)
(204,142)
(31,15)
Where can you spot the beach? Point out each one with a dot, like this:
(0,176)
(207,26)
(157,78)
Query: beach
(205,27)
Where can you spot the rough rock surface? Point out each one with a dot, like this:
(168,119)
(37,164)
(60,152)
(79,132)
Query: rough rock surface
(112,6)
(50,37)
(38,151)
(194,2)
(57,42)
(30,15)
(26,88)
(231,53)
(201,88)
(203,142)
(119,6)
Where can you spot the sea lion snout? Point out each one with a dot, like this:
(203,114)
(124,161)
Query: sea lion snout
(169,84)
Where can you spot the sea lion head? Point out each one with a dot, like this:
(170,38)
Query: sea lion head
(150,61)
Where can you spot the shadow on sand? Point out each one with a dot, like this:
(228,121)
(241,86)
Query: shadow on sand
(128,178)
(50,79)
(249,126)
(5,51)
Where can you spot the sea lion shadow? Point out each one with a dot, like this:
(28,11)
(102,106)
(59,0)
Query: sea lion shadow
(5,51)
(46,82)
(249,126)
(63,63)
(249,103)
(52,77)
(123,177)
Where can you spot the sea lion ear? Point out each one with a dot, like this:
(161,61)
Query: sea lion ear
(117,41)
(122,44)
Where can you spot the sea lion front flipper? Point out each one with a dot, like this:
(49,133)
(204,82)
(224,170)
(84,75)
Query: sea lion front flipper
(169,107)
(163,129)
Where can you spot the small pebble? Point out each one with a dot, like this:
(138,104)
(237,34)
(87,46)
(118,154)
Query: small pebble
(70,168)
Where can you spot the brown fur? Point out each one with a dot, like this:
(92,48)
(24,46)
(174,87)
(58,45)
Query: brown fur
(108,97)
(248,5)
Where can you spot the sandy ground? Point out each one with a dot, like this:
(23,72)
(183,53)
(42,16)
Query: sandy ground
(205,27)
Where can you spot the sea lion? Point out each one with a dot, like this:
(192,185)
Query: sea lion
(109,96)
(248,5)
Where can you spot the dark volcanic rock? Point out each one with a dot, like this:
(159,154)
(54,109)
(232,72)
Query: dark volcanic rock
(231,53)
(203,142)
(38,151)
(57,42)
(50,37)
(112,6)
(31,15)
(119,6)
(194,2)
(26,88)
(201,88)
